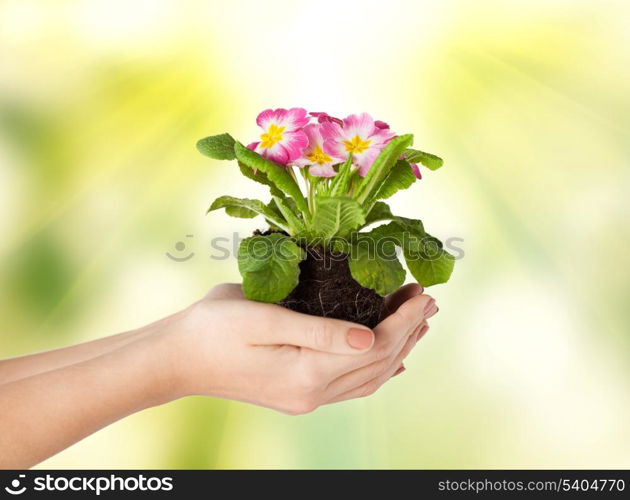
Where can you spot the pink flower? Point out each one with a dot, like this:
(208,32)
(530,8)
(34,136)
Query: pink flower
(359,135)
(325,117)
(416,170)
(414,167)
(321,163)
(282,139)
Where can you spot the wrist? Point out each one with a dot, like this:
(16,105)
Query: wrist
(170,357)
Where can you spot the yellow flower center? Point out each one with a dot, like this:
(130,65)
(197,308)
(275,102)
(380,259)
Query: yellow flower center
(356,145)
(318,156)
(272,136)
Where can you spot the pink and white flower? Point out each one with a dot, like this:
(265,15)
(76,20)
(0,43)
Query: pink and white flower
(320,163)
(283,139)
(360,136)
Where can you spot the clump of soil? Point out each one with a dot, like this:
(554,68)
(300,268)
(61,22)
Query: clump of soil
(327,288)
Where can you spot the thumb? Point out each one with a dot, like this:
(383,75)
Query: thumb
(320,334)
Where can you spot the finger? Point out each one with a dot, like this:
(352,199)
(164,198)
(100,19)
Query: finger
(423,330)
(401,369)
(360,376)
(397,325)
(420,333)
(374,370)
(329,335)
(371,386)
(389,334)
(394,300)
(225,291)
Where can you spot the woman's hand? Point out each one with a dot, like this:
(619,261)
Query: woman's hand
(222,346)
(230,347)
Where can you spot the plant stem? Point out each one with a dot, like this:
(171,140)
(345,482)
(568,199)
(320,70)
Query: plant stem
(311,197)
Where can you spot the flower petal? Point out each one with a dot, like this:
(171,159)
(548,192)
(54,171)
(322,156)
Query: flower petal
(314,136)
(266,118)
(325,117)
(365,159)
(331,131)
(253,145)
(382,136)
(416,170)
(295,143)
(335,148)
(380,124)
(276,153)
(322,171)
(295,118)
(361,125)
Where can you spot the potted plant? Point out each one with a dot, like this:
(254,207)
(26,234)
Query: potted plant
(328,178)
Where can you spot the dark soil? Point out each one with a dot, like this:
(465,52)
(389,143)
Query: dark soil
(326,288)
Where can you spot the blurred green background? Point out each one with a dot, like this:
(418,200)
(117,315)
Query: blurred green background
(528,362)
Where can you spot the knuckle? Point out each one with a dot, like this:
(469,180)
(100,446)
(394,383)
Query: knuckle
(382,350)
(378,367)
(308,379)
(406,314)
(303,406)
(369,389)
(321,336)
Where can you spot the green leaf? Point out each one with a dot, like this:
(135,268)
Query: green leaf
(376,266)
(269,266)
(400,177)
(340,184)
(259,177)
(407,233)
(218,147)
(430,161)
(430,268)
(287,210)
(276,174)
(381,167)
(245,208)
(336,216)
(380,211)
(426,258)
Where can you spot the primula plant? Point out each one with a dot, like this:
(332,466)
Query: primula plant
(323,252)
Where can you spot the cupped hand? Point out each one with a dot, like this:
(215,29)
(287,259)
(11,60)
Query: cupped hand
(265,354)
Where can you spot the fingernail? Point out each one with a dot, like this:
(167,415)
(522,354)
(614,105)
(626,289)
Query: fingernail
(399,371)
(429,306)
(432,312)
(360,339)
(421,289)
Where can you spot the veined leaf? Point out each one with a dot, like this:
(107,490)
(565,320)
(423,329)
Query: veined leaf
(245,208)
(382,166)
(341,182)
(376,266)
(400,177)
(218,147)
(288,212)
(269,266)
(261,178)
(276,174)
(429,160)
(430,269)
(426,258)
(380,211)
(336,217)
